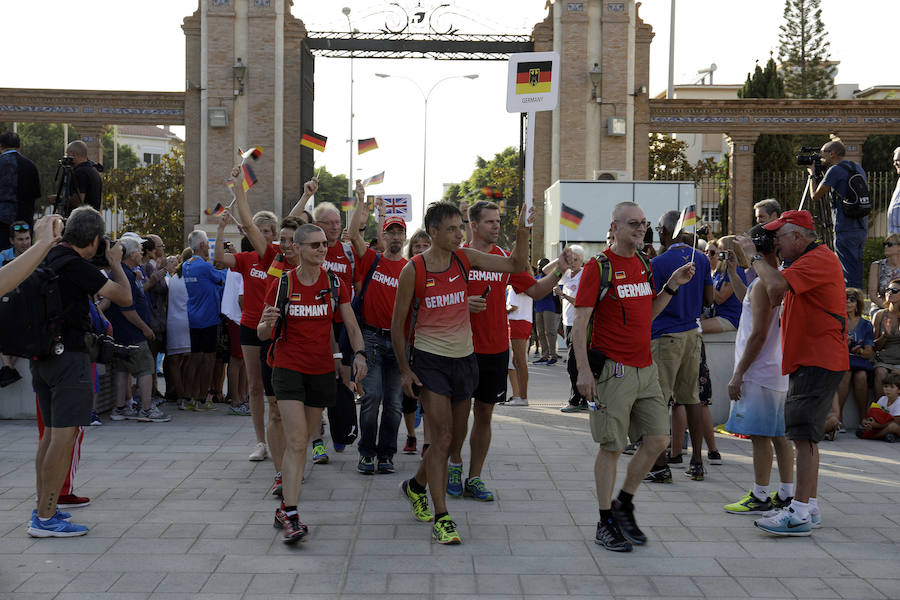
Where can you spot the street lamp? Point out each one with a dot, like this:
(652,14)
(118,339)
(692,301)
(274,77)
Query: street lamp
(346,11)
(425,97)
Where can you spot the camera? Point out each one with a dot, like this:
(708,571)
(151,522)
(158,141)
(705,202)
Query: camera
(99,259)
(763,240)
(809,157)
(723,255)
(702,231)
(104,350)
(66,161)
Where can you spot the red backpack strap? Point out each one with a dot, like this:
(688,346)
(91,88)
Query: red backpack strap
(464,264)
(419,267)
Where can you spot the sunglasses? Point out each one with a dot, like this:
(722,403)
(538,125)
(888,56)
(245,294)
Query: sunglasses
(885,244)
(892,290)
(25,227)
(315,245)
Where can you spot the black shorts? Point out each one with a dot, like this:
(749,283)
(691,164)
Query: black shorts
(451,377)
(493,370)
(319,391)
(809,397)
(204,340)
(265,369)
(249,337)
(64,387)
(410,404)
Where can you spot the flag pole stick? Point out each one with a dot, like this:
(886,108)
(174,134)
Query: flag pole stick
(694,246)
(529,168)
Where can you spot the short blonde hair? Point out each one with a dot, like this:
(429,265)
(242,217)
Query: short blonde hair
(727,242)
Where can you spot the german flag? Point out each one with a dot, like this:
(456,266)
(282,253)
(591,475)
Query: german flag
(313,140)
(533,77)
(253,153)
(570,217)
(215,212)
(249,179)
(347,204)
(491,192)
(687,219)
(367,144)
(277,266)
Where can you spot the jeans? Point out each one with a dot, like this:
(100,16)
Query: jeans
(381,388)
(848,245)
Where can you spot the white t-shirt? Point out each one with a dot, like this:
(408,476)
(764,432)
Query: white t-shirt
(234,287)
(523,304)
(178,333)
(893,409)
(569,285)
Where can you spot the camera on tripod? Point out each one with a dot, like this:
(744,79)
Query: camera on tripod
(809,157)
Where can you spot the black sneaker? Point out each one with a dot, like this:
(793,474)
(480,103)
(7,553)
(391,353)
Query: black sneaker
(632,447)
(663,475)
(366,465)
(625,519)
(610,537)
(714,457)
(674,460)
(385,465)
(695,471)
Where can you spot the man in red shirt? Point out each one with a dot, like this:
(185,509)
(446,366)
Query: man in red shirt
(617,375)
(490,336)
(814,316)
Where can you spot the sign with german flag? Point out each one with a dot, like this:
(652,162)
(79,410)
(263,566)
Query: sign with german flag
(533,83)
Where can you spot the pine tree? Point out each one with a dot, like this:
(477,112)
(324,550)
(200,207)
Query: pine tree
(803,51)
(773,152)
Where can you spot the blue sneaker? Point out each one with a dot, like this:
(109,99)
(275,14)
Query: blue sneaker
(320,457)
(454,480)
(785,522)
(540,361)
(366,465)
(552,361)
(815,520)
(339,447)
(62,515)
(418,416)
(54,527)
(475,488)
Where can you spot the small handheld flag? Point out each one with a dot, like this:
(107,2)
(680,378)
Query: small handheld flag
(570,217)
(347,204)
(491,192)
(374,179)
(687,219)
(253,153)
(367,145)
(215,212)
(313,140)
(249,177)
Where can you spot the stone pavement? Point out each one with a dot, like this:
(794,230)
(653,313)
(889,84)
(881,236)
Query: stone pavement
(178,512)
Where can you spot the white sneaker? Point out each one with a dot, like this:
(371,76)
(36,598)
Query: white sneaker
(516,401)
(259,453)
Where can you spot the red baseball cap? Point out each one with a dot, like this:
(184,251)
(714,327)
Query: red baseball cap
(393,221)
(803,218)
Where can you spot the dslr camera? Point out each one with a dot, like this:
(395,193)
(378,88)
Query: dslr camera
(99,259)
(763,240)
(809,157)
(104,350)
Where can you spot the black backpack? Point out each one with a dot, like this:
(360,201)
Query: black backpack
(33,314)
(857,204)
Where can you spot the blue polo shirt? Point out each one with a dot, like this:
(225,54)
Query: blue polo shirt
(838,179)
(124,332)
(684,308)
(546,303)
(204,285)
(731,308)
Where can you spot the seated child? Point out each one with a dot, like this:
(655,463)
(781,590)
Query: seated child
(883,420)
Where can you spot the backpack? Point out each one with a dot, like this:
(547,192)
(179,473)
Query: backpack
(418,264)
(357,302)
(857,203)
(281,301)
(33,314)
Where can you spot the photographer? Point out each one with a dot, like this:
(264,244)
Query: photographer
(130,328)
(63,383)
(849,233)
(20,186)
(88,185)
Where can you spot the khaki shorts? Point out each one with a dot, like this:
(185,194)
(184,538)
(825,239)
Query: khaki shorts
(630,406)
(677,356)
(140,362)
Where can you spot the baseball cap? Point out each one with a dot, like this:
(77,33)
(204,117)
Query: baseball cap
(803,218)
(393,221)
(132,235)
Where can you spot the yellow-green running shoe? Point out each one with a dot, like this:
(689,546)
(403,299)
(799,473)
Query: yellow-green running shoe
(749,505)
(419,502)
(444,531)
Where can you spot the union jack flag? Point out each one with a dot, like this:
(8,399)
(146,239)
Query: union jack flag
(397,206)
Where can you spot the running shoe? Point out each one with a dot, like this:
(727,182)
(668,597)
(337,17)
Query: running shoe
(277,487)
(209,405)
(419,502)
(750,505)
(516,401)
(320,457)
(241,410)
(674,460)
(454,480)
(541,361)
(696,471)
(714,457)
(339,447)
(259,452)
(55,526)
(624,518)
(815,520)
(841,428)
(632,447)
(573,408)
(72,501)
(186,404)
(552,361)
(294,530)
(385,466)
(663,475)
(62,515)
(785,522)
(153,415)
(444,531)
(610,536)
(120,413)
(95,419)
(778,503)
(366,465)
(410,447)
(280,518)
(475,488)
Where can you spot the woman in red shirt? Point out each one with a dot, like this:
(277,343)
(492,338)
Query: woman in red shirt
(303,374)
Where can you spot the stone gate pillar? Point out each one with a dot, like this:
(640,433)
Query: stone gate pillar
(740,179)
(91,133)
(854,145)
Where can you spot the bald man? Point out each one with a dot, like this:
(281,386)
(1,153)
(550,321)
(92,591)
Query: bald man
(87,185)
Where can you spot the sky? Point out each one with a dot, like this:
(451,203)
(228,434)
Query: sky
(127,45)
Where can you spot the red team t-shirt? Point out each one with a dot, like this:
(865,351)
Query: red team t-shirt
(253,269)
(378,305)
(622,319)
(490,329)
(337,261)
(306,346)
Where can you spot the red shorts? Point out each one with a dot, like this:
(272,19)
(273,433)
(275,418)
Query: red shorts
(519,330)
(234,339)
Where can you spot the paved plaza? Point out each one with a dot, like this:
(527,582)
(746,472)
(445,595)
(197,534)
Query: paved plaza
(178,512)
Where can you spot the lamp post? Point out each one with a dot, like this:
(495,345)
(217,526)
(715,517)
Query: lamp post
(425,98)
(346,11)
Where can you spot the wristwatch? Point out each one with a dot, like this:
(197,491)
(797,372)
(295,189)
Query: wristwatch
(362,353)
(669,290)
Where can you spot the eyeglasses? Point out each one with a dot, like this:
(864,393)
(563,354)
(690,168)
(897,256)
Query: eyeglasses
(711,251)
(892,291)
(635,224)
(315,245)
(329,223)
(25,227)
(885,244)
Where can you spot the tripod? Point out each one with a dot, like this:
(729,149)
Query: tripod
(821,213)
(63,190)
